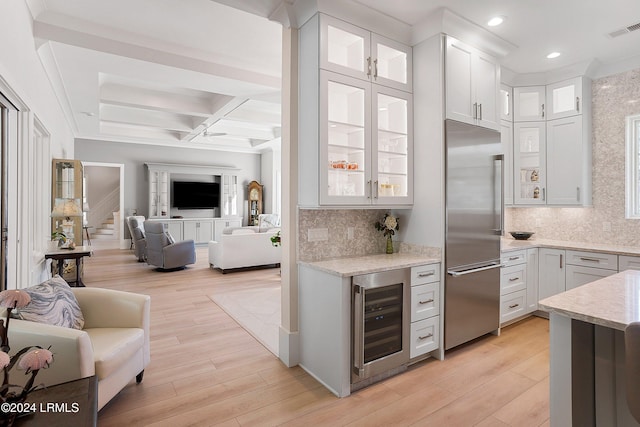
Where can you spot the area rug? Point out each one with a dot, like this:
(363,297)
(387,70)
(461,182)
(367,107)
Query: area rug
(257,310)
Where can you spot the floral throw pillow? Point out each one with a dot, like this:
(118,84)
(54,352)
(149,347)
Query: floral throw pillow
(53,303)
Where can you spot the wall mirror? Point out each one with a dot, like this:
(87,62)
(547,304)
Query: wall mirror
(66,199)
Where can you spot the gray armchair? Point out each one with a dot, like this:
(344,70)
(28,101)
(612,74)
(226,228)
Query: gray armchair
(163,252)
(138,240)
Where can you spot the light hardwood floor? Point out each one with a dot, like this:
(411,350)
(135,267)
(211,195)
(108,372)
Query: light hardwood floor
(207,371)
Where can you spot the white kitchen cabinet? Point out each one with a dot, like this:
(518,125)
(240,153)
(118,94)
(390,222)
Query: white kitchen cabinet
(551,272)
(626,262)
(578,276)
(584,267)
(365,143)
(472,84)
(528,103)
(529,163)
(425,335)
(200,231)
(506,140)
(565,98)
(566,183)
(354,51)
(425,310)
(513,306)
(356,133)
(158,192)
(514,285)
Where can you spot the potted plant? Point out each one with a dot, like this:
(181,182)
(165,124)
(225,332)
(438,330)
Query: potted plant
(57,239)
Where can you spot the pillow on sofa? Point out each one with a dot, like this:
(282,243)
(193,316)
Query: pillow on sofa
(268,221)
(53,303)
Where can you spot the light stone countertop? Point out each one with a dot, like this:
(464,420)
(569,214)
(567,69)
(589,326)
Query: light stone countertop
(613,301)
(508,245)
(353,266)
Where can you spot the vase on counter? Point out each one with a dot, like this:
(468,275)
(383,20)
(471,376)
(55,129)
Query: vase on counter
(389,245)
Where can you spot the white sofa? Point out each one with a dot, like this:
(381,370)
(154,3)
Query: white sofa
(244,247)
(113,345)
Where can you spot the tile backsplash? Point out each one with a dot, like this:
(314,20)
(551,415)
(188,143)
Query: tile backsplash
(613,98)
(366,239)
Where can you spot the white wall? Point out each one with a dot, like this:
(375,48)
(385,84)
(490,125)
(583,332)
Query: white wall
(24,81)
(134,156)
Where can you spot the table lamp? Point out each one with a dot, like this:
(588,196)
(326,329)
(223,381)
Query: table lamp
(67,209)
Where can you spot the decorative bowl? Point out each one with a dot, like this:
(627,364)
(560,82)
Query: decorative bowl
(521,235)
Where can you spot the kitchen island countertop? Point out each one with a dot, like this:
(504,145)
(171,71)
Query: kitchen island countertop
(613,301)
(353,266)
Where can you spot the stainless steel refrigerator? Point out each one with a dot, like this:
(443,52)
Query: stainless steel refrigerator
(474,222)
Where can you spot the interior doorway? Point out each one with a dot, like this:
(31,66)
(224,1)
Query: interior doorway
(104,204)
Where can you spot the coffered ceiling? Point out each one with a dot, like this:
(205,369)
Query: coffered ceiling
(190,73)
(207,73)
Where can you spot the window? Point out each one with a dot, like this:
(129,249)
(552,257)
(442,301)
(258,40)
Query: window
(633,167)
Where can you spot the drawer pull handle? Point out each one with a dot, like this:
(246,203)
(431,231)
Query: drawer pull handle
(514,305)
(513,258)
(427,301)
(427,274)
(426,336)
(513,279)
(583,258)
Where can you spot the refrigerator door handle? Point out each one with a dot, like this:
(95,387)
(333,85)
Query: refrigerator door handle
(455,273)
(499,164)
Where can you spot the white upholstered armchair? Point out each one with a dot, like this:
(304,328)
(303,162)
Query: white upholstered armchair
(113,345)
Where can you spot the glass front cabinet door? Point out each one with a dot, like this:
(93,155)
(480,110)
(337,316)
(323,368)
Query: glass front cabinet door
(529,103)
(529,155)
(345,140)
(158,193)
(356,52)
(365,143)
(392,168)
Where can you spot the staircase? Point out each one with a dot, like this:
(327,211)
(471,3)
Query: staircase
(105,231)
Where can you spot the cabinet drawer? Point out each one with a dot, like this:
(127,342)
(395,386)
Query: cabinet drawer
(425,274)
(512,306)
(425,301)
(592,259)
(628,263)
(425,336)
(513,258)
(513,278)
(578,275)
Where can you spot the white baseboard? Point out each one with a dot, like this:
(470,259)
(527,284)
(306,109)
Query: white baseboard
(289,347)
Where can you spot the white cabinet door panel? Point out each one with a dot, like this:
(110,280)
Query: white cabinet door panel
(551,272)
(564,161)
(425,301)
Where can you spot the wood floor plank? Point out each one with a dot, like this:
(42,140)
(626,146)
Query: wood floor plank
(206,370)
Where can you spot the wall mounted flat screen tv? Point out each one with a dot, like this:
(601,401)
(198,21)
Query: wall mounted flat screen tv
(196,195)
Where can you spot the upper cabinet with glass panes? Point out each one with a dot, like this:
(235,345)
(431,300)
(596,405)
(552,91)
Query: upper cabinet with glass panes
(356,52)
(565,98)
(355,126)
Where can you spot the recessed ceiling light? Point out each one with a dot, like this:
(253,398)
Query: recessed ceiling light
(553,55)
(495,21)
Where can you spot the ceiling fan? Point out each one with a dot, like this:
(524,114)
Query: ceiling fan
(206,133)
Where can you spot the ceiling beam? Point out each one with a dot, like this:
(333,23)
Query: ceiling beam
(83,39)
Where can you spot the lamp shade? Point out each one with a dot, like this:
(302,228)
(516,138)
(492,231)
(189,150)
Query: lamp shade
(65,208)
